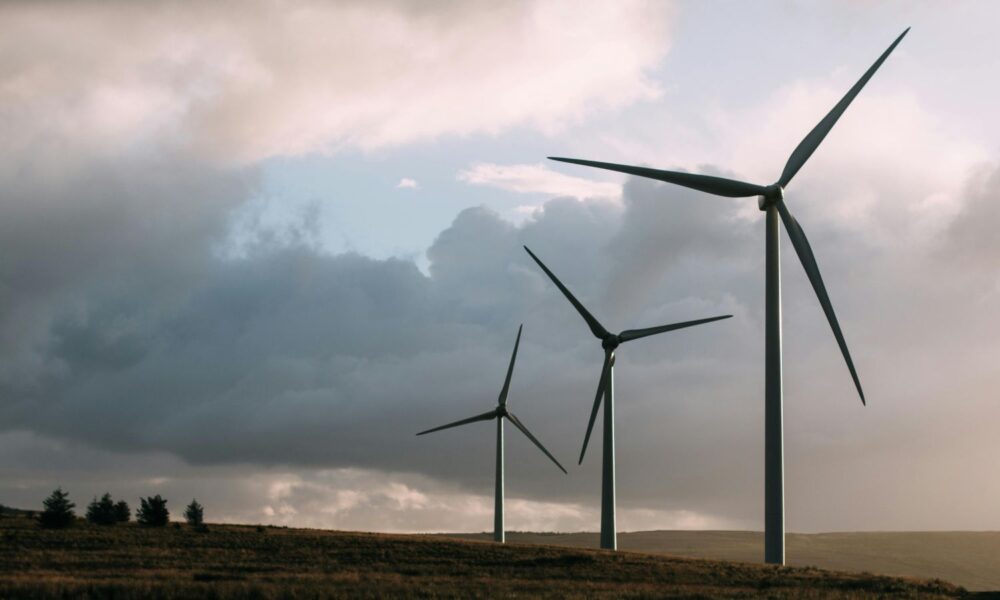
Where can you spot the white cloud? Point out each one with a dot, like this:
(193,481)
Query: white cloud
(893,166)
(407,183)
(240,83)
(350,498)
(538,179)
(406,503)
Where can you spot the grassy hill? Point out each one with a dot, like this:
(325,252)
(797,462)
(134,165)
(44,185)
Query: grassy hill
(6,511)
(232,561)
(970,559)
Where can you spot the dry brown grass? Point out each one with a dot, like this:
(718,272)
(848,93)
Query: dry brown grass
(967,558)
(233,561)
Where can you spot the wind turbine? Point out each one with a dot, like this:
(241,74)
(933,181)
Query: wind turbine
(771,201)
(499,413)
(606,387)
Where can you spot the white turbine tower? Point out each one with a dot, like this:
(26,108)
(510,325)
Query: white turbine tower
(771,201)
(500,413)
(606,388)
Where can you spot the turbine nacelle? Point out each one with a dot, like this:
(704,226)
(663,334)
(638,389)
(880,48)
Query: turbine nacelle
(772,194)
(611,341)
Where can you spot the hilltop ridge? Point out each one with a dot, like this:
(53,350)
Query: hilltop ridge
(230,561)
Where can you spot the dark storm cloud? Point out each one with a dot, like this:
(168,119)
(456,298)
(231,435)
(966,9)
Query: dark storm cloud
(108,243)
(676,230)
(290,356)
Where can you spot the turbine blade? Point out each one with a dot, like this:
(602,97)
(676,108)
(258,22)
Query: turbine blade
(595,327)
(720,186)
(597,401)
(812,141)
(808,260)
(634,334)
(510,368)
(483,417)
(517,423)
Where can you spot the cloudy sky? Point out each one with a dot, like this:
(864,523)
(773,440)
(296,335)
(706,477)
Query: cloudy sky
(246,253)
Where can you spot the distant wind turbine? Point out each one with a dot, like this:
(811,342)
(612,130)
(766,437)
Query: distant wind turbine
(771,201)
(499,413)
(606,388)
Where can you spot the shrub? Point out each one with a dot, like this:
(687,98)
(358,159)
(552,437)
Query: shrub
(122,512)
(194,514)
(58,511)
(102,512)
(152,512)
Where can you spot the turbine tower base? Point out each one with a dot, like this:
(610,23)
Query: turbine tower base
(609,533)
(774,465)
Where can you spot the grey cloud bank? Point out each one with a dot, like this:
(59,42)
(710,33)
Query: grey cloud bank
(293,359)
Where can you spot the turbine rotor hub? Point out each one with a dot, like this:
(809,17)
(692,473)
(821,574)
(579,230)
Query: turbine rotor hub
(611,342)
(772,193)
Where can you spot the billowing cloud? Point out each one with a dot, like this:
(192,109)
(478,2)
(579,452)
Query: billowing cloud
(300,360)
(538,179)
(895,166)
(240,83)
(74,236)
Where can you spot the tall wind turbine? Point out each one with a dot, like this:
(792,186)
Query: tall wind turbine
(499,413)
(771,201)
(606,388)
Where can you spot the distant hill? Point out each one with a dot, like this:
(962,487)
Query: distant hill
(7,511)
(232,561)
(967,558)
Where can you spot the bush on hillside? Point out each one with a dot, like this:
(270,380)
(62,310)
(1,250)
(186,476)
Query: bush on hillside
(153,512)
(58,511)
(194,514)
(122,512)
(102,512)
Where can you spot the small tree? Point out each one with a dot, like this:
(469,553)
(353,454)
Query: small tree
(152,512)
(122,512)
(102,512)
(194,514)
(58,511)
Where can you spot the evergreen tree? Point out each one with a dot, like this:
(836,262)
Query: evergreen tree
(122,512)
(152,512)
(58,511)
(194,514)
(102,512)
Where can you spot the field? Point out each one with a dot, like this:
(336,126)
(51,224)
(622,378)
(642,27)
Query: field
(229,561)
(969,559)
